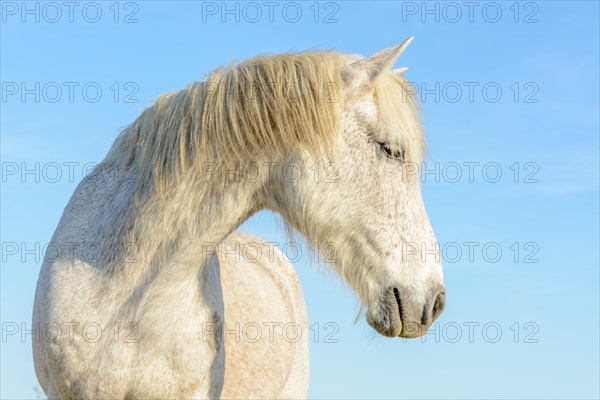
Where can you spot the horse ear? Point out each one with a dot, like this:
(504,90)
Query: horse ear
(382,60)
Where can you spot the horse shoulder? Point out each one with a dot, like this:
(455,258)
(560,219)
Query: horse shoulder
(266,351)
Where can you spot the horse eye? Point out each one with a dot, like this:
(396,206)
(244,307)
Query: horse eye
(392,154)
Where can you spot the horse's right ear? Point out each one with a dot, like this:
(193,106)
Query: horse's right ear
(382,60)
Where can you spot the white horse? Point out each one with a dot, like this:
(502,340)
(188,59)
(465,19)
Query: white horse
(320,137)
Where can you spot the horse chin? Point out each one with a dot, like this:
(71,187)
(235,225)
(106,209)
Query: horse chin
(387,323)
(387,330)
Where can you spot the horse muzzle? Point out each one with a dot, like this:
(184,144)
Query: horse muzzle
(401,313)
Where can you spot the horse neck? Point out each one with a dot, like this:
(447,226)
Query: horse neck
(176,235)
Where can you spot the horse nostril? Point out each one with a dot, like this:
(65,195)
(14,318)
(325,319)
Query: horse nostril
(399,302)
(438,306)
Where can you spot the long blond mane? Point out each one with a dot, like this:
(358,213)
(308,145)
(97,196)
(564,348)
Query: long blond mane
(265,105)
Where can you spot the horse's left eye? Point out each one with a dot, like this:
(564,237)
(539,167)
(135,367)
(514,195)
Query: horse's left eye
(391,152)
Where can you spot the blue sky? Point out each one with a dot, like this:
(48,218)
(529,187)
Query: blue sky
(533,108)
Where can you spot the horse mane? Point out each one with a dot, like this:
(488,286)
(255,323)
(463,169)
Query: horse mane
(264,105)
